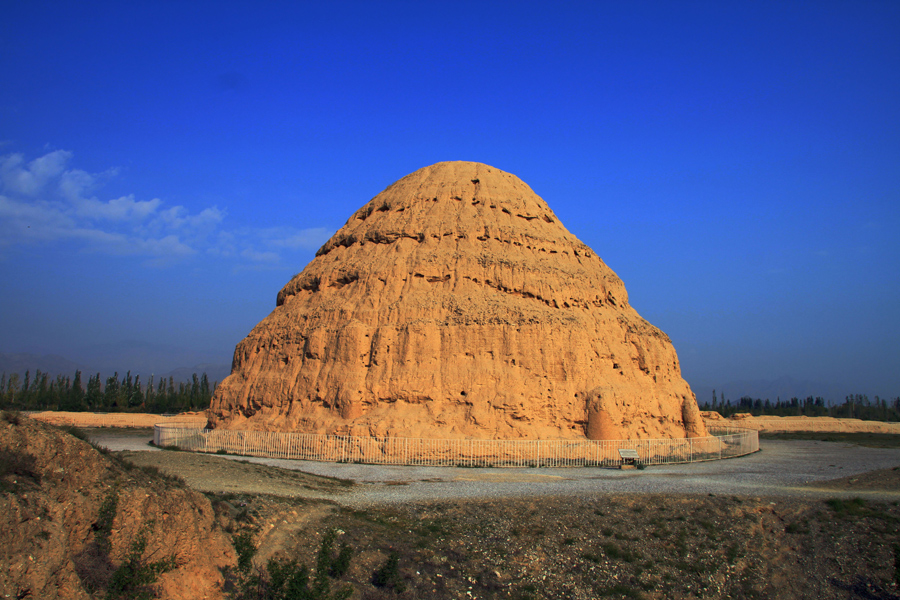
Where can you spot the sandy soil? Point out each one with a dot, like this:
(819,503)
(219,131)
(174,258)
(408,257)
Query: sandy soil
(87,419)
(770,424)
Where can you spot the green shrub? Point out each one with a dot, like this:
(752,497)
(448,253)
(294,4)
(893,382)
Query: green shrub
(11,416)
(105,516)
(19,465)
(802,527)
(841,507)
(75,432)
(896,549)
(288,579)
(245,549)
(327,562)
(388,574)
(341,563)
(616,553)
(133,578)
(620,590)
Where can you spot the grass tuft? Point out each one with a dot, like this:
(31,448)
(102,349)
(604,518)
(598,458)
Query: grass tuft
(388,574)
(12,417)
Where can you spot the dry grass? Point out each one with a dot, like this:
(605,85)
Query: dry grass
(650,547)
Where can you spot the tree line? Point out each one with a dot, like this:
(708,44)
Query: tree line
(855,406)
(127,394)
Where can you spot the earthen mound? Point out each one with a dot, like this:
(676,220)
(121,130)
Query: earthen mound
(455,304)
(71,516)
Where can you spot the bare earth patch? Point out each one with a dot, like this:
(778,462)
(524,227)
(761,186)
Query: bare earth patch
(880,480)
(218,474)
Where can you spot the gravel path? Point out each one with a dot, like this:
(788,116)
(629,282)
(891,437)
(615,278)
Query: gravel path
(781,468)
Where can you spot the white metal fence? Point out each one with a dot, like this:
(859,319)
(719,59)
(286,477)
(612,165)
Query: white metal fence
(723,443)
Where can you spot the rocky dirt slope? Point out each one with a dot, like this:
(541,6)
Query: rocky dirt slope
(71,517)
(455,304)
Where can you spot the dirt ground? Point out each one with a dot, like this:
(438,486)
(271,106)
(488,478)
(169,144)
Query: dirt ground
(653,546)
(880,480)
(206,473)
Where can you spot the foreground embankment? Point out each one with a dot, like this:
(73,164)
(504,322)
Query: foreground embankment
(801,519)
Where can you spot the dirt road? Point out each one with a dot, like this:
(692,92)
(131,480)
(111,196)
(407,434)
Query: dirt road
(781,468)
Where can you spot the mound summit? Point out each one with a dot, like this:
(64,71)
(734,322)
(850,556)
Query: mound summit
(454,304)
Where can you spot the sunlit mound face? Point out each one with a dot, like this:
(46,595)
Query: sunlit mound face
(455,304)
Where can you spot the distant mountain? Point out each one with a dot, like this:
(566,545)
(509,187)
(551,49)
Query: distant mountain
(143,357)
(54,365)
(215,373)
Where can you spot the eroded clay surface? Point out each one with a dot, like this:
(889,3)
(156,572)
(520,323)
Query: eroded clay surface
(455,304)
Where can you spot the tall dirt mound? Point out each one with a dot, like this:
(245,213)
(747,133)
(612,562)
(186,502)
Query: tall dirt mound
(71,516)
(455,304)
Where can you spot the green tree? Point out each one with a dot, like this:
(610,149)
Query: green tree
(12,387)
(94,395)
(41,391)
(77,393)
(148,394)
(63,386)
(136,396)
(23,393)
(161,398)
(171,398)
(111,391)
(204,391)
(195,391)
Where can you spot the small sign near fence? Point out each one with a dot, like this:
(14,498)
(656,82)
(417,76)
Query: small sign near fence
(628,456)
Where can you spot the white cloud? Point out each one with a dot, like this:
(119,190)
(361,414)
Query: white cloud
(258,256)
(30,179)
(265,246)
(38,221)
(177,217)
(44,201)
(75,184)
(125,208)
(306,239)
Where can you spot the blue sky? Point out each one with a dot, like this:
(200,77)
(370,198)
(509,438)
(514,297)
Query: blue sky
(166,167)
